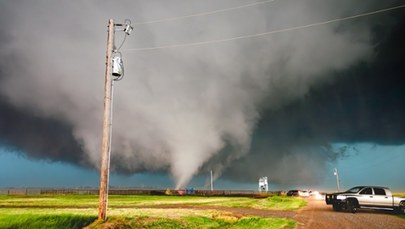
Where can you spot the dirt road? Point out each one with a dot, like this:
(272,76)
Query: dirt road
(318,215)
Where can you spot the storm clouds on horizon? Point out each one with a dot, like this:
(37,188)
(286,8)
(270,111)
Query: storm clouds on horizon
(268,105)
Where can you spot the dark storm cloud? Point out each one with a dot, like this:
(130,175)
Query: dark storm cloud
(42,138)
(364,103)
(245,108)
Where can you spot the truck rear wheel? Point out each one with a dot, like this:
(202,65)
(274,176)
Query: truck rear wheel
(401,208)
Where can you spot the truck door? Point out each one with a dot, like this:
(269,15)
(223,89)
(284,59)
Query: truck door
(381,198)
(366,197)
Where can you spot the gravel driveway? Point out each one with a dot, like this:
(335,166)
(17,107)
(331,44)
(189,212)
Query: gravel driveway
(318,215)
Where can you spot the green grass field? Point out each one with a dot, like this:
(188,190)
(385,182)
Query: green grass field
(140,211)
(402,194)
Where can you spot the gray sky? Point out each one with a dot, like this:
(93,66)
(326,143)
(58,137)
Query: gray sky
(266,105)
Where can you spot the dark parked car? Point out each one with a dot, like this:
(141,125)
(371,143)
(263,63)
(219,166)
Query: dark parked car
(293,193)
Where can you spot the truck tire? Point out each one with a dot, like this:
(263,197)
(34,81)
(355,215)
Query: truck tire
(337,207)
(401,208)
(351,206)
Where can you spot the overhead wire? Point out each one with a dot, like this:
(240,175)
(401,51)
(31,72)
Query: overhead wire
(122,43)
(367,167)
(267,33)
(203,13)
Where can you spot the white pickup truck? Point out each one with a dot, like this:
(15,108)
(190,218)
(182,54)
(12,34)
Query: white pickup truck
(371,197)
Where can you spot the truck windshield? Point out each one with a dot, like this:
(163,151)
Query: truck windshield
(354,190)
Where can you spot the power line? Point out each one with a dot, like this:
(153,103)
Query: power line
(203,13)
(266,33)
(388,158)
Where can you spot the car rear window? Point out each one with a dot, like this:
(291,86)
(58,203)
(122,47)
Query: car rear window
(379,191)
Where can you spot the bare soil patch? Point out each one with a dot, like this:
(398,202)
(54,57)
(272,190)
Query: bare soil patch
(319,215)
(316,215)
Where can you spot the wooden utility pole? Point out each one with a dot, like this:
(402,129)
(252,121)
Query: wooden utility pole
(107,125)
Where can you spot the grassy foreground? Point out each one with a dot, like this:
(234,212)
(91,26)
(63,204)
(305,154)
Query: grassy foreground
(197,222)
(139,211)
(49,220)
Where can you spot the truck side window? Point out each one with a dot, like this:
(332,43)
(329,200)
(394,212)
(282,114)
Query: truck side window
(379,191)
(366,191)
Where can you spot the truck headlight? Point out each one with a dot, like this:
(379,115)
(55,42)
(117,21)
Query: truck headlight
(341,197)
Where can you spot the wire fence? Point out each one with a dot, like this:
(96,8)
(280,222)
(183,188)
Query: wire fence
(135,191)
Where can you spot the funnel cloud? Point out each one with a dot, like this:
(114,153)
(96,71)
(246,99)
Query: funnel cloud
(269,105)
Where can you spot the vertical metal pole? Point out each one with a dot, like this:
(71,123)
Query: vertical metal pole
(212,187)
(107,125)
(337,180)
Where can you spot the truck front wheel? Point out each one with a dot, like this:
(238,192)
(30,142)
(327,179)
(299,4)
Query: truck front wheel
(337,207)
(351,206)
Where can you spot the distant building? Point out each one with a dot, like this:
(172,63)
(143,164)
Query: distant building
(263,185)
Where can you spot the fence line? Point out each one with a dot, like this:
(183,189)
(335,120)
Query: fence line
(132,191)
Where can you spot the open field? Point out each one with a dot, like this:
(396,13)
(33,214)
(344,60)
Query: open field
(143,211)
(399,194)
(146,211)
